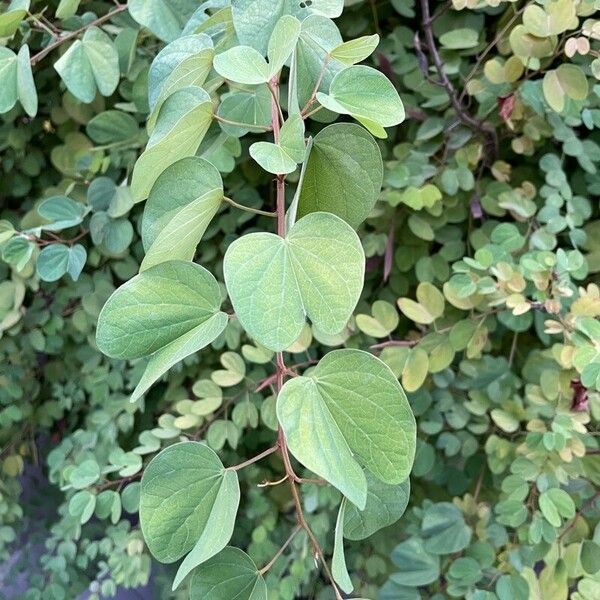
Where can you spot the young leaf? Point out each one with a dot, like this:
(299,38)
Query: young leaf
(385,505)
(338,560)
(567,81)
(344,173)
(251,107)
(11,19)
(230,574)
(188,503)
(25,85)
(283,157)
(182,203)
(90,65)
(349,410)
(367,95)
(355,51)
(164,18)
(183,120)
(275,283)
(170,311)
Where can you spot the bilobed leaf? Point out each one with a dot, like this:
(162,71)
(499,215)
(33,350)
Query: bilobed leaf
(417,566)
(344,173)
(229,574)
(182,203)
(355,51)
(184,62)
(168,312)
(52,262)
(62,212)
(188,503)
(367,95)
(164,18)
(338,560)
(385,505)
(11,19)
(275,283)
(350,411)
(282,42)
(90,65)
(444,529)
(67,8)
(183,120)
(8,79)
(251,107)
(566,81)
(255,20)
(282,158)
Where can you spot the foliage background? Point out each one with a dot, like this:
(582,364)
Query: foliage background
(483,252)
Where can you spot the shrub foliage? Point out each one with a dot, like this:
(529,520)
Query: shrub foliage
(298,299)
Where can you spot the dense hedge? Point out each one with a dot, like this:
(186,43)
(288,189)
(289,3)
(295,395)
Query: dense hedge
(481,294)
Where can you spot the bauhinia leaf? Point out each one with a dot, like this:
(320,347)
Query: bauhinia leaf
(366,94)
(188,503)
(164,18)
(339,569)
(229,574)
(90,65)
(182,203)
(344,174)
(385,505)
(183,120)
(282,158)
(355,51)
(16,81)
(167,313)
(350,411)
(275,283)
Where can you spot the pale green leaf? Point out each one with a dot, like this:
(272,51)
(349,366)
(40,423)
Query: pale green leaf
(282,43)
(275,283)
(349,410)
(11,19)
(344,173)
(164,18)
(339,569)
(355,51)
(251,107)
(183,120)
(8,79)
(242,64)
(182,203)
(156,308)
(567,81)
(112,126)
(188,502)
(230,574)
(367,95)
(25,84)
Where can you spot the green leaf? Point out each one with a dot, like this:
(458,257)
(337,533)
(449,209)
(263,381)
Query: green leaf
(282,158)
(355,51)
(567,81)
(156,308)
(11,19)
(25,85)
(338,560)
(275,283)
(182,203)
(183,120)
(230,574)
(84,474)
(251,107)
(188,503)
(349,410)
(90,65)
(187,61)
(67,9)
(255,20)
(17,251)
(444,529)
(460,39)
(590,556)
(242,64)
(62,212)
(57,259)
(164,18)
(112,126)
(367,95)
(82,505)
(556,503)
(385,505)
(417,566)
(282,42)
(8,79)
(344,173)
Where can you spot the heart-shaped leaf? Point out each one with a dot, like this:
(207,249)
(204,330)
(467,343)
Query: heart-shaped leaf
(366,94)
(167,312)
(283,157)
(350,411)
(188,503)
(182,122)
(343,175)
(182,203)
(230,574)
(275,283)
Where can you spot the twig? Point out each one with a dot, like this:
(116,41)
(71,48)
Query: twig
(485,128)
(256,458)
(281,550)
(264,213)
(42,53)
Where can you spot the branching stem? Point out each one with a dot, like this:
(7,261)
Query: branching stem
(256,211)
